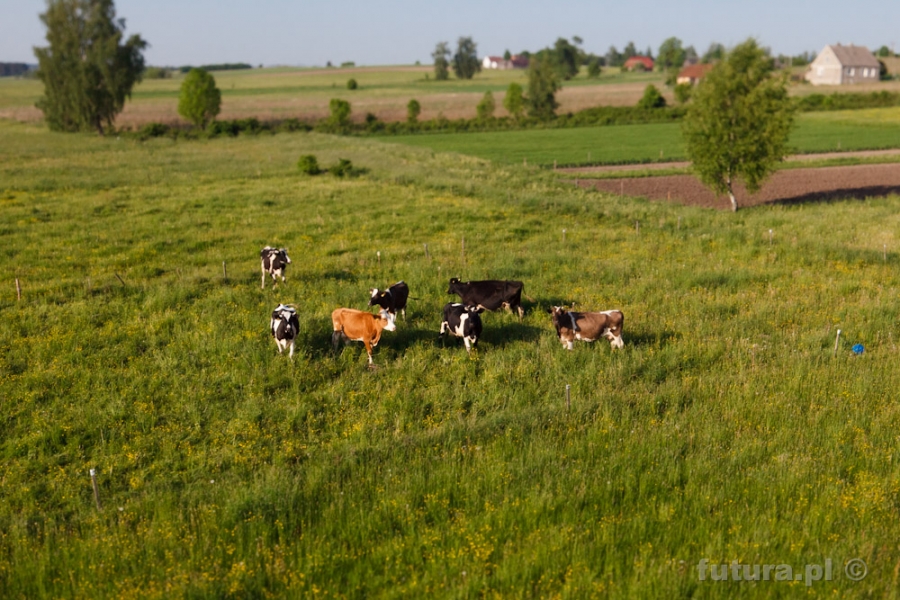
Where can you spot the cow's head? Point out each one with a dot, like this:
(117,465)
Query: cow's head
(375,296)
(475,310)
(454,282)
(284,255)
(388,318)
(556,313)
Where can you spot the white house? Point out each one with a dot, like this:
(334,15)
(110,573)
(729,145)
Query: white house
(842,65)
(498,62)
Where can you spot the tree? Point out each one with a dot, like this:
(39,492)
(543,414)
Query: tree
(465,61)
(652,98)
(514,102)
(613,57)
(629,51)
(441,62)
(507,55)
(715,52)
(200,100)
(593,67)
(683,92)
(738,122)
(351,84)
(671,54)
(485,108)
(542,88)
(87,71)
(340,113)
(565,56)
(413,110)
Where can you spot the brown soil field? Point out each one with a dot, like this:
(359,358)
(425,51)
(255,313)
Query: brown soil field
(792,186)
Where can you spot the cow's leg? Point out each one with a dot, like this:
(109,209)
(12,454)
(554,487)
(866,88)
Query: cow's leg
(263,278)
(521,312)
(291,355)
(617,341)
(368,345)
(466,342)
(403,310)
(569,344)
(444,327)
(335,340)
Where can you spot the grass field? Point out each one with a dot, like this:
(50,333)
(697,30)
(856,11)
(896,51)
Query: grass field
(728,428)
(814,132)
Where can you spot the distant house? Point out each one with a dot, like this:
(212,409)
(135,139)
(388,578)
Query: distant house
(843,65)
(515,61)
(638,62)
(692,73)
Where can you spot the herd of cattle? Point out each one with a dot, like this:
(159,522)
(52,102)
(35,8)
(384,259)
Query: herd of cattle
(461,319)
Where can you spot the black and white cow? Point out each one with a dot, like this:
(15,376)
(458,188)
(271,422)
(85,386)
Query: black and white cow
(587,326)
(462,321)
(285,326)
(490,294)
(390,300)
(274,262)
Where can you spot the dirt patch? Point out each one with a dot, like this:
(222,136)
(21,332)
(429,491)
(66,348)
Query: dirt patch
(793,186)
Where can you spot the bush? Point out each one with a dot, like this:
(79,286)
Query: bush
(413,110)
(652,98)
(683,92)
(309,165)
(153,130)
(340,113)
(593,68)
(200,100)
(485,108)
(343,168)
(351,84)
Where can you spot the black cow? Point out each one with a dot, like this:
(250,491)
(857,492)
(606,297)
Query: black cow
(462,321)
(490,295)
(274,262)
(391,300)
(284,326)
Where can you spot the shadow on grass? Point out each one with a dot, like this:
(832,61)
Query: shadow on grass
(854,193)
(643,338)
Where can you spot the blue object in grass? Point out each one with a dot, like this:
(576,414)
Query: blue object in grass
(858,349)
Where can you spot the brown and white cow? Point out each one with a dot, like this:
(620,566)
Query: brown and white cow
(358,326)
(588,326)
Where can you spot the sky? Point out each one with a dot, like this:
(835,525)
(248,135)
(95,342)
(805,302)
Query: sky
(401,32)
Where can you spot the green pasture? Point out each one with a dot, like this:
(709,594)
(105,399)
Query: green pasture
(658,142)
(729,428)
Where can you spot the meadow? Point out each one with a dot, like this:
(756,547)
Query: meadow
(657,142)
(731,427)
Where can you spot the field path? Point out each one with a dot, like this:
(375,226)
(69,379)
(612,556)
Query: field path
(683,164)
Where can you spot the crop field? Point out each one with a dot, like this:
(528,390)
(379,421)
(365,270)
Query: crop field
(731,427)
(621,144)
(279,93)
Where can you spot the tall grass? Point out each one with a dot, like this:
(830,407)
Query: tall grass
(725,429)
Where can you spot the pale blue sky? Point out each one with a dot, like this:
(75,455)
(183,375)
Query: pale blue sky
(281,32)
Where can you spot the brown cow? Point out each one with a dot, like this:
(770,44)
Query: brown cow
(358,326)
(588,326)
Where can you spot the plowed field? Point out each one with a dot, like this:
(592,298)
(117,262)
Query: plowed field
(790,186)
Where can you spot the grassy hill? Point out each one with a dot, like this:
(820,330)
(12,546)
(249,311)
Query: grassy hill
(728,428)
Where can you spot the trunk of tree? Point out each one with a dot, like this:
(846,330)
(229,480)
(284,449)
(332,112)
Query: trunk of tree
(734,204)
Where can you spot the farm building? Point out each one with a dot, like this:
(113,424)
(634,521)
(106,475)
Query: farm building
(515,61)
(692,73)
(843,65)
(636,63)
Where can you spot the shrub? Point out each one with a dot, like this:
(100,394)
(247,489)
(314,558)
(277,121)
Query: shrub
(342,168)
(309,165)
(652,98)
(413,109)
(340,113)
(593,68)
(200,100)
(485,108)
(683,92)
(351,84)
(153,130)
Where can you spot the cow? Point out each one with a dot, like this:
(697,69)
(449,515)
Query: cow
(587,326)
(274,262)
(358,326)
(390,300)
(284,326)
(462,321)
(490,294)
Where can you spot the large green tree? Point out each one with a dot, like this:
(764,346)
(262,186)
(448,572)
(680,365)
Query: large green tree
(441,57)
(465,61)
(87,70)
(671,54)
(514,101)
(200,100)
(542,87)
(738,122)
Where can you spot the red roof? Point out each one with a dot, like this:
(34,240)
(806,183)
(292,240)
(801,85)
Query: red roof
(634,60)
(694,71)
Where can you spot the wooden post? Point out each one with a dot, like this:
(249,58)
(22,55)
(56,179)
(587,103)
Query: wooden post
(120,280)
(426,252)
(378,252)
(568,397)
(884,255)
(770,237)
(836,342)
(637,227)
(96,489)
(464,249)
(564,235)
(224,271)
(554,164)
(18,290)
